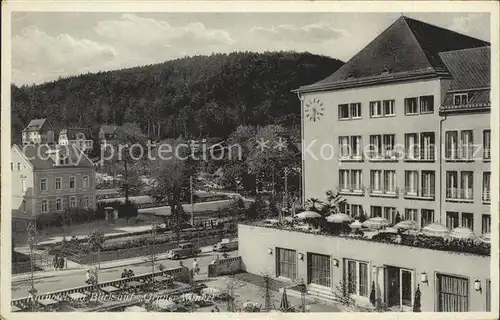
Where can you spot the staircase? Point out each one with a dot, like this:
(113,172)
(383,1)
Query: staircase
(324,294)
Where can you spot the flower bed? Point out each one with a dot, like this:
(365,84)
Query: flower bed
(419,241)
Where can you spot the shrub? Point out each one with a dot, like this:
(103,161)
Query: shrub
(128,210)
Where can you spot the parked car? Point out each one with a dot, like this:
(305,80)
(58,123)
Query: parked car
(226,245)
(185,250)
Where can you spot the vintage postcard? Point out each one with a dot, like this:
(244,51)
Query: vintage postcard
(250,157)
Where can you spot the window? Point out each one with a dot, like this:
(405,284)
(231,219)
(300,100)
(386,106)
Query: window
(427,144)
(376,180)
(18,166)
(382,146)
(487,144)
(43,184)
(410,214)
(452,185)
(411,106)
(426,104)
(453,293)
(355,110)
(12,166)
(428,183)
(344,208)
(466,182)
(390,181)
(45,206)
(72,202)
(356,273)
(467,146)
(286,263)
(411,183)
(343,179)
(451,144)
(460,99)
(58,183)
(486,223)
(86,202)
(350,147)
(451,220)
(319,269)
(468,220)
(85,182)
(72,182)
(59,204)
(388,107)
(486,186)
(356,210)
(23,185)
(375,109)
(356,180)
(390,214)
(24,206)
(427,217)
(411,145)
(376,211)
(343,111)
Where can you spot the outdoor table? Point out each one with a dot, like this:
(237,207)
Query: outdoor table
(48,302)
(77,296)
(160,278)
(110,289)
(134,284)
(15,308)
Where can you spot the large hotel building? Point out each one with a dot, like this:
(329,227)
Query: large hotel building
(402,128)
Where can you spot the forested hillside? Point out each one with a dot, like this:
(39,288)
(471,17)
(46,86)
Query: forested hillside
(201,96)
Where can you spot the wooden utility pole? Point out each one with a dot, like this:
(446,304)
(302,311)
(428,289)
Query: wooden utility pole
(192,203)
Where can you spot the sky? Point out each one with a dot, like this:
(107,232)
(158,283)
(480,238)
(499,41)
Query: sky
(49,45)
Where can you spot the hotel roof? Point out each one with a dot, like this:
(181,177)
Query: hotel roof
(406,49)
(38,156)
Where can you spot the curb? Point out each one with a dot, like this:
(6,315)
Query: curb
(82,267)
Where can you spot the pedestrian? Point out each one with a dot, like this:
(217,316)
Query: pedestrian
(130,273)
(54,261)
(87,277)
(196,269)
(61,262)
(124,273)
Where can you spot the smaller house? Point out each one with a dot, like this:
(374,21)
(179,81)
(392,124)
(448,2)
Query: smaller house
(79,137)
(38,131)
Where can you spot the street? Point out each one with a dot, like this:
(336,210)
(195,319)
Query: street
(77,278)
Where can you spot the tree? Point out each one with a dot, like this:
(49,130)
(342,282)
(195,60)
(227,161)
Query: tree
(153,256)
(95,243)
(32,242)
(130,146)
(128,210)
(232,283)
(334,202)
(266,291)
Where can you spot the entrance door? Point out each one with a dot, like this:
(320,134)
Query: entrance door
(399,287)
(318,272)
(453,293)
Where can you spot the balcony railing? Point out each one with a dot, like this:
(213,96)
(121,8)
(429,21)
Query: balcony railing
(420,193)
(386,155)
(418,154)
(462,153)
(351,189)
(486,196)
(351,157)
(377,192)
(455,194)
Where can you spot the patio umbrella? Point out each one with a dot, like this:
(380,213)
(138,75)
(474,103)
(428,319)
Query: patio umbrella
(135,309)
(376,223)
(308,215)
(486,238)
(407,225)
(339,218)
(164,304)
(356,225)
(284,306)
(462,233)
(436,230)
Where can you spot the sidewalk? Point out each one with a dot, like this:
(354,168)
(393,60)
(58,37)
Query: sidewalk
(74,267)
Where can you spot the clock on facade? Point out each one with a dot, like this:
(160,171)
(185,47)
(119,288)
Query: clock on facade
(314,109)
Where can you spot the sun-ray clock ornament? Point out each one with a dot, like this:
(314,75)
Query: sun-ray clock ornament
(314,110)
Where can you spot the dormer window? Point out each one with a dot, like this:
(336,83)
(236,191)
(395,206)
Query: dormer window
(384,71)
(63,160)
(460,99)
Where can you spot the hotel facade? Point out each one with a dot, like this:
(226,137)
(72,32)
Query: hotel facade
(402,129)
